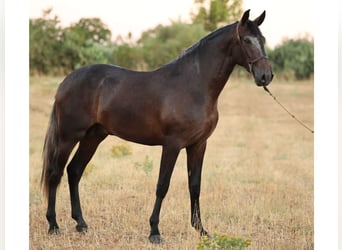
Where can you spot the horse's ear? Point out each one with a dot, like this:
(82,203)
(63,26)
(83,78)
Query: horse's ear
(259,20)
(245,17)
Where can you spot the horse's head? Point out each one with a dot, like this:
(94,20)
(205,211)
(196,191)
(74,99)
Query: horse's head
(252,50)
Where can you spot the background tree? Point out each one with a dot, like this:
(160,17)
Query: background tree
(129,56)
(164,43)
(90,30)
(45,42)
(214,13)
(58,51)
(85,42)
(294,56)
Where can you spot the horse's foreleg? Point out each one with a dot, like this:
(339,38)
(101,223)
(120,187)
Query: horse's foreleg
(195,155)
(168,160)
(84,153)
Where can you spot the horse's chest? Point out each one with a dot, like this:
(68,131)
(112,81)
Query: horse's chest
(202,128)
(211,122)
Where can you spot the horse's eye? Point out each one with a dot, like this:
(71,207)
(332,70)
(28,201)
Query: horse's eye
(247,40)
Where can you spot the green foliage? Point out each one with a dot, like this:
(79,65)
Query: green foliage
(86,42)
(55,50)
(146,165)
(295,56)
(129,56)
(222,241)
(121,150)
(164,43)
(212,13)
(45,43)
(90,29)
(89,168)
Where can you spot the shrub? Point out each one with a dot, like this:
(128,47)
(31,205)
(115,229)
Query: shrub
(121,150)
(222,241)
(295,56)
(89,168)
(146,165)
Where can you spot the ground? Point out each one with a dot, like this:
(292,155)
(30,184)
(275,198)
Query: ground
(257,180)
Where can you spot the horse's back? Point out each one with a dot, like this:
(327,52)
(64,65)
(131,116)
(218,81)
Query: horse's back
(89,77)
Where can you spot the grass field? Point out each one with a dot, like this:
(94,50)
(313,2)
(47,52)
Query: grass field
(257,180)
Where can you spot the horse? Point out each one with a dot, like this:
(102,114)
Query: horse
(174,106)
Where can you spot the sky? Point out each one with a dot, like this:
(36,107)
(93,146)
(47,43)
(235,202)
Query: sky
(282,19)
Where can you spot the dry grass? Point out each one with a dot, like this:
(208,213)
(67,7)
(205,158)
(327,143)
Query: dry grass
(257,179)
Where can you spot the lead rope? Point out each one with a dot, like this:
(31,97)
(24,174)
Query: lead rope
(300,122)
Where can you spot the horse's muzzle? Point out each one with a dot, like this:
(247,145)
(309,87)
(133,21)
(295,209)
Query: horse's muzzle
(263,79)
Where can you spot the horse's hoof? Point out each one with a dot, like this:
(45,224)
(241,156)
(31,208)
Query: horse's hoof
(54,230)
(205,234)
(82,228)
(156,239)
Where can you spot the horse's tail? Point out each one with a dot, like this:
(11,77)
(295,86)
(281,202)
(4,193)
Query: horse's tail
(50,152)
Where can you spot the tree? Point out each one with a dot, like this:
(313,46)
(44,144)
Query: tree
(294,55)
(129,56)
(57,50)
(86,42)
(46,37)
(164,43)
(214,13)
(90,30)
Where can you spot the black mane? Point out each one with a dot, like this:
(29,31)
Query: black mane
(212,35)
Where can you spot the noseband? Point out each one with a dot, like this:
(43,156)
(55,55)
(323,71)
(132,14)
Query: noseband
(250,61)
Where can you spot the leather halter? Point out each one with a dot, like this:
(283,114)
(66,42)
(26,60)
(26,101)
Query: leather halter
(250,61)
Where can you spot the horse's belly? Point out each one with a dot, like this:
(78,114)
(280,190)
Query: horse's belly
(150,123)
(141,135)
(136,127)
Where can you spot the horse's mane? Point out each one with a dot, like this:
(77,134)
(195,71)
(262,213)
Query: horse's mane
(196,46)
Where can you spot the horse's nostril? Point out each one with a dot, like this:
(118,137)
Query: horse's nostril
(263,78)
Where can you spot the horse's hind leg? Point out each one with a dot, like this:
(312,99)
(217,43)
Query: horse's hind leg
(84,153)
(55,175)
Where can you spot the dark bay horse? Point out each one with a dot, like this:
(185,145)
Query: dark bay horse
(174,106)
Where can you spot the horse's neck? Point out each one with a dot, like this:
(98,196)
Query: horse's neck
(211,60)
(217,63)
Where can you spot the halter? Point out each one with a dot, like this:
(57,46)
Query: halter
(250,61)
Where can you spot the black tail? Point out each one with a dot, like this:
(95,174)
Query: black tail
(50,152)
